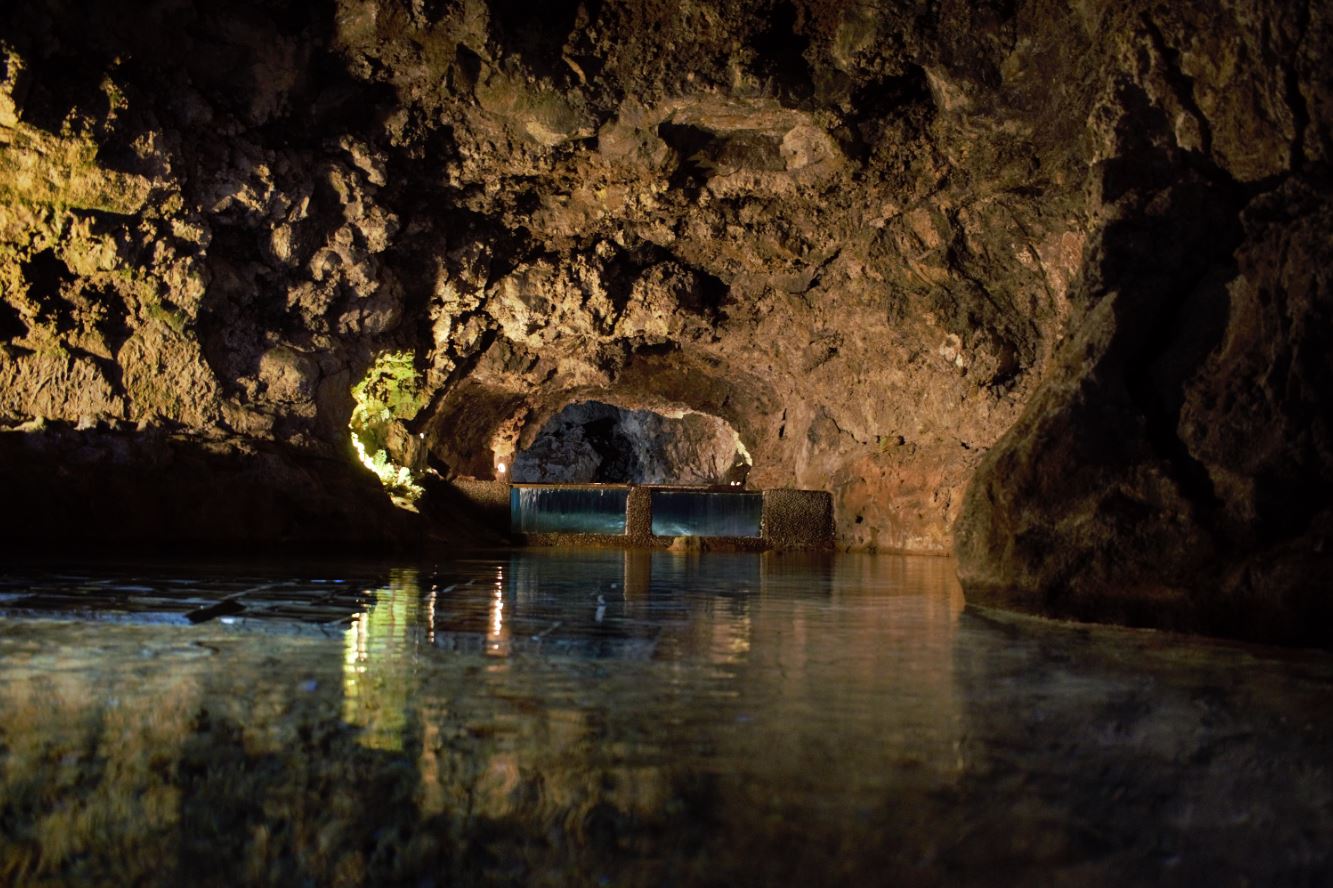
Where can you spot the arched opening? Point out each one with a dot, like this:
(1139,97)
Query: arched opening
(591,441)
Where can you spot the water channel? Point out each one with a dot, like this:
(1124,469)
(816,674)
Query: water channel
(634,718)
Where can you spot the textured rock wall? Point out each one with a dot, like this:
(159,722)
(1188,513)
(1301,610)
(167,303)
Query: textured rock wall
(870,238)
(1174,469)
(595,442)
(806,220)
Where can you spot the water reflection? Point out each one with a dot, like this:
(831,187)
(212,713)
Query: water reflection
(377,664)
(641,718)
(497,639)
(666,691)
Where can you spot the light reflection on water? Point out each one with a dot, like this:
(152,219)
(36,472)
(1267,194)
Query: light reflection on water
(641,718)
(377,667)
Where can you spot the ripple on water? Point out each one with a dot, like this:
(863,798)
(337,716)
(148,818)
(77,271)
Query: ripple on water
(643,718)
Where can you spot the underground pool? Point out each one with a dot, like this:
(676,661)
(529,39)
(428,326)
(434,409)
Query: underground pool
(606,717)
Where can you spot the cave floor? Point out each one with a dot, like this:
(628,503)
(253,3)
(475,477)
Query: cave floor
(598,717)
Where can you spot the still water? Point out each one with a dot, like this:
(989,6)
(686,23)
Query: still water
(609,718)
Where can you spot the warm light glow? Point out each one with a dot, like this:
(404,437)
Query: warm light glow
(377,674)
(500,468)
(497,636)
(497,615)
(391,476)
(390,391)
(430,616)
(354,646)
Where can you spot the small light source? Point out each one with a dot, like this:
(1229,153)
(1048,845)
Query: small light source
(500,468)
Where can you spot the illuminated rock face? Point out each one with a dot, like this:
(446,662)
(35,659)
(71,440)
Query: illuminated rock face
(874,243)
(595,442)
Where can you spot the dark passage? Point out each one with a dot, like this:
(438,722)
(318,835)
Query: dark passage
(592,442)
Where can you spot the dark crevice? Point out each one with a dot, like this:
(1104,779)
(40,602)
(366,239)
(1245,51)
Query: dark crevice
(1174,268)
(47,276)
(818,276)
(536,35)
(692,165)
(876,103)
(114,321)
(708,296)
(1008,367)
(624,271)
(465,72)
(651,349)
(60,86)
(782,49)
(114,373)
(11,323)
(1300,114)
(1300,110)
(619,462)
(1161,409)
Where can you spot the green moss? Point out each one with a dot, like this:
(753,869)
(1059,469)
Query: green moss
(887,443)
(174,318)
(391,390)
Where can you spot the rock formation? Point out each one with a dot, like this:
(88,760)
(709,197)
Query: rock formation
(1175,466)
(1074,250)
(594,442)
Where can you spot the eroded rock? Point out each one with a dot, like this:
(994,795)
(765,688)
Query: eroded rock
(869,239)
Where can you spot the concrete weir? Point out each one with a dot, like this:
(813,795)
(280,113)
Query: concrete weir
(671,516)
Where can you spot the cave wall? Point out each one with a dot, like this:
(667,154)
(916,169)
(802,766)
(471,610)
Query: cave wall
(876,241)
(813,222)
(1175,467)
(592,442)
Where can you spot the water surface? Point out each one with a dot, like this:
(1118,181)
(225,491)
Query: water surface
(616,718)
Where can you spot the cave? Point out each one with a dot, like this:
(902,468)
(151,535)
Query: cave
(1000,331)
(593,442)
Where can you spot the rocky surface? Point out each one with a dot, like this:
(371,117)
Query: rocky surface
(1175,467)
(595,442)
(871,240)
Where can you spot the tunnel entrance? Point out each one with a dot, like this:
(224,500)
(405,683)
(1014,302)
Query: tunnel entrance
(593,442)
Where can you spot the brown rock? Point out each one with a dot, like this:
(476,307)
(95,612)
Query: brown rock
(867,238)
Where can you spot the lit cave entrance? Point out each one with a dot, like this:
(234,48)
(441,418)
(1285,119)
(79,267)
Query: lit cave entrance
(674,456)
(593,442)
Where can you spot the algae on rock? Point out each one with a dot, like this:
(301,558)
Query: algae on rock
(390,393)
